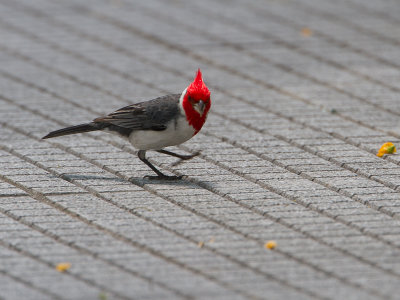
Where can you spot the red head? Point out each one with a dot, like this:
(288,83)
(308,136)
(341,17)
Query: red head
(196,102)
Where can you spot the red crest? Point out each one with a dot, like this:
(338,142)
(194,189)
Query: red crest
(195,92)
(197,89)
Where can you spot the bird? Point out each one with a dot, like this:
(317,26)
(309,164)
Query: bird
(168,120)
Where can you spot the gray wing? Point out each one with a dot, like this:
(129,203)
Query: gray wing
(149,115)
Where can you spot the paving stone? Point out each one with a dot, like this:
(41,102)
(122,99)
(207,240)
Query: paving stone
(304,95)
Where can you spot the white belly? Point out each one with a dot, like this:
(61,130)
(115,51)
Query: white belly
(175,134)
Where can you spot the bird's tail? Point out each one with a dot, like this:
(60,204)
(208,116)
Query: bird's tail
(87,127)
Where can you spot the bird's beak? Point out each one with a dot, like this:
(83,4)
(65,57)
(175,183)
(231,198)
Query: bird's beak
(200,107)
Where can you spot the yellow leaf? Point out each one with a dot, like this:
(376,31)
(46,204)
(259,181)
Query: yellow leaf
(387,148)
(306,32)
(270,245)
(62,267)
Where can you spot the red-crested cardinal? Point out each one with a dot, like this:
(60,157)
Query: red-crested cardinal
(152,125)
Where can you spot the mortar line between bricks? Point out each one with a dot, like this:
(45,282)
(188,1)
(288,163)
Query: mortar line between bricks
(80,57)
(294,199)
(291,46)
(77,55)
(160,225)
(43,262)
(233,71)
(180,49)
(240,123)
(344,21)
(25,282)
(43,199)
(286,225)
(319,211)
(316,153)
(290,256)
(240,48)
(107,92)
(297,201)
(81,249)
(280,221)
(12,195)
(317,33)
(89,61)
(210,190)
(60,240)
(248,127)
(70,77)
(267,275)
(215,221)
(148,189)
(227,227)
(158,194)
(276,39)
(174,71)
(287,255)
(59,72)
(235,121)
(127,52)
(379,14)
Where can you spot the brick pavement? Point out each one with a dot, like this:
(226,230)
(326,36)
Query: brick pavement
(304,93)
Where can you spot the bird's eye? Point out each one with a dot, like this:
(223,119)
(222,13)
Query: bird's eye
(191,100)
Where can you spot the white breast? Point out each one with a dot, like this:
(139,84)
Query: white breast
(177,132)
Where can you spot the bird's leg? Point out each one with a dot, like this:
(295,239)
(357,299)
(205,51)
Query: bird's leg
(142,157)
(182,157)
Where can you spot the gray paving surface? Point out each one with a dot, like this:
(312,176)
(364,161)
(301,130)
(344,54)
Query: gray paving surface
(304,93)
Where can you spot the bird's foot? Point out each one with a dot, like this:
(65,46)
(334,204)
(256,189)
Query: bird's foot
(185,157)
(163,177)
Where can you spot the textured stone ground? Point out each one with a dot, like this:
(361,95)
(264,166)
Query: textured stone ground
(304,94)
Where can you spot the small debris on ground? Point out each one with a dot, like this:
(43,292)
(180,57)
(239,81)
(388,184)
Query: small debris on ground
(387,148)
(62,267)
(270,245)
(306,32)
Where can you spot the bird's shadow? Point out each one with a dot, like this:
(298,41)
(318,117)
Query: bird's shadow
(90,177)
(184,181)
(140,181)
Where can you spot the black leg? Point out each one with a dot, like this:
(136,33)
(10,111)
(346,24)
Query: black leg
(142,157)
(182,157)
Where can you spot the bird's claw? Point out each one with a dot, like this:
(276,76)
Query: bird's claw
(185,157)
(163,177)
